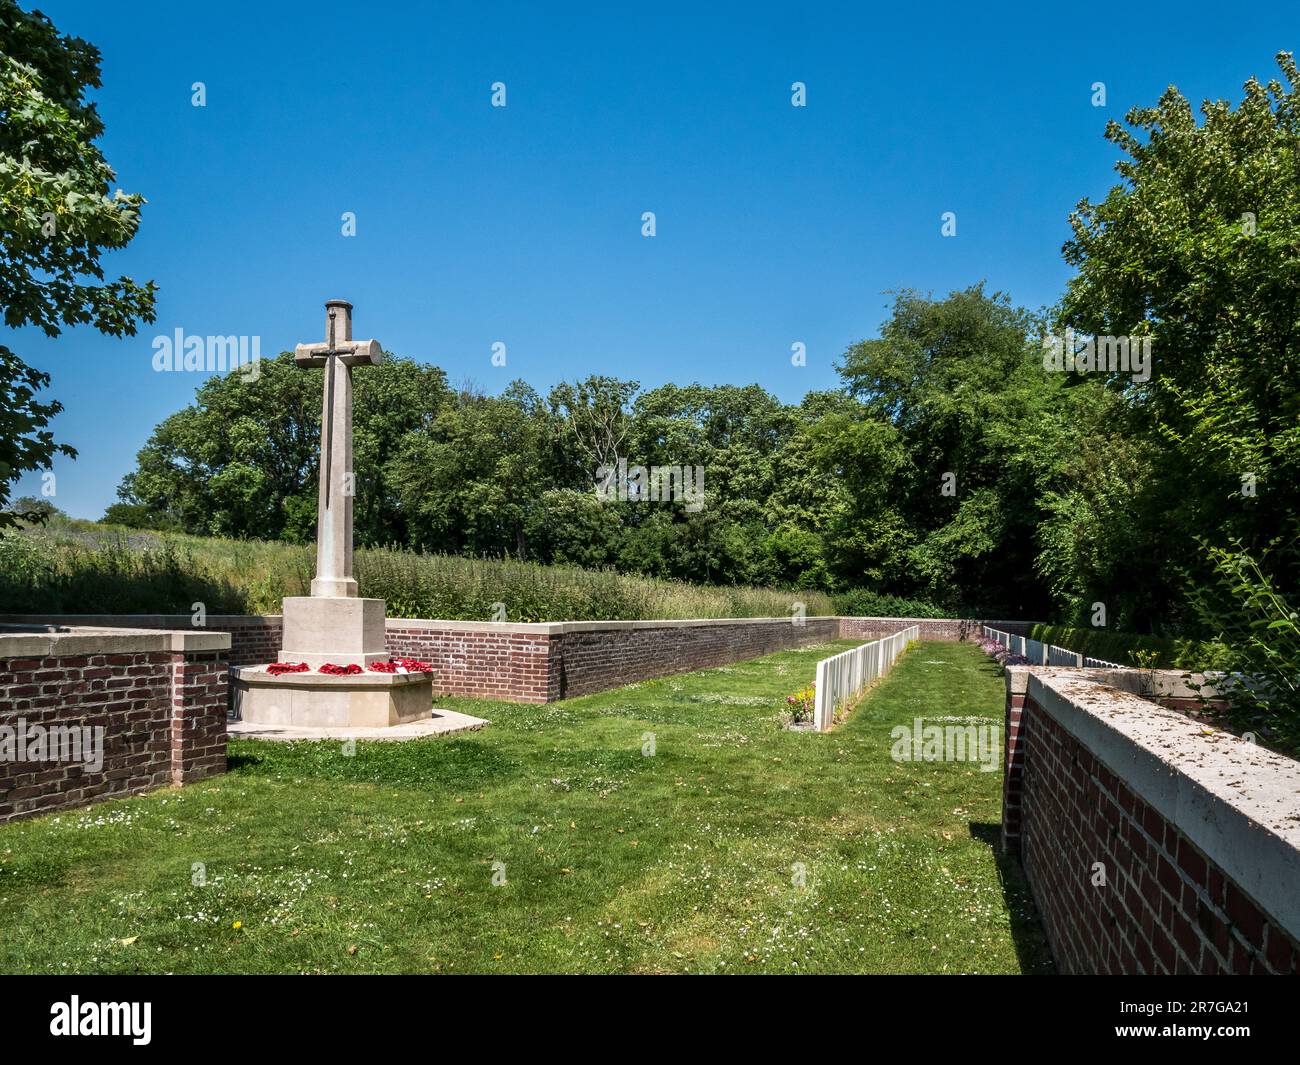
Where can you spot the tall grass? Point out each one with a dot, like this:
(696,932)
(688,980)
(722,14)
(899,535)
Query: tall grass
(83,568)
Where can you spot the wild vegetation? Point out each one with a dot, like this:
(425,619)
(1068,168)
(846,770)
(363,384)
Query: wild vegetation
(84,568)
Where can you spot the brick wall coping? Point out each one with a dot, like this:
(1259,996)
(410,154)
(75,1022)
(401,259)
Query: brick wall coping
(555,628)
(542,628)
(1236,801)
(558,628)
(144,621)
(1151,683)
(17,641)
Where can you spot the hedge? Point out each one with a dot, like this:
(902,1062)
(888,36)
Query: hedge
(1171,653)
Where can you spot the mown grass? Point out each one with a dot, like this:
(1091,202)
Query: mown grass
(614,860)
(83,568)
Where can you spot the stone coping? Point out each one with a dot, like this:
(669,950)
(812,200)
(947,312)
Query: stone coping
(1149,683)
(537,628)
(1236,801)
(144,621)
(257,676)
(34,641)
(556,628)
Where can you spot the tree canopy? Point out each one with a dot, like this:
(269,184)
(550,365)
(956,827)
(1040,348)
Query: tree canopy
(57,220)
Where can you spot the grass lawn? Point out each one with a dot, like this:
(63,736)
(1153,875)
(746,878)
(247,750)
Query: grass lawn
(614,861)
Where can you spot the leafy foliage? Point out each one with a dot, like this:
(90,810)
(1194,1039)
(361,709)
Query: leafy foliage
(56,220)
(1261,627)
(1199,248)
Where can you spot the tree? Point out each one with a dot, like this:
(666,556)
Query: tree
(953,442)
(471,479)
(243,459)
(56,221)
(1198,248)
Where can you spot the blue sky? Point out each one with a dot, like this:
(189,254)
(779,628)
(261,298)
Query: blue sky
(522,224)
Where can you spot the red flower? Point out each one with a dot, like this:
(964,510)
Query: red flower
(340,671)
(276,668)
(412,665)
(401,665)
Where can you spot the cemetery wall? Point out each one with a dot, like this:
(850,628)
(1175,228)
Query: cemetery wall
(254,638)
(953,629)
(547,661)
(542,662)
(1151,844)
(87,714)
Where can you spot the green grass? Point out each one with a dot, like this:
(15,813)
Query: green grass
(614,861)
(81,567)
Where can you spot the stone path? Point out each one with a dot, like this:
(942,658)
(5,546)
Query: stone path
(442,723)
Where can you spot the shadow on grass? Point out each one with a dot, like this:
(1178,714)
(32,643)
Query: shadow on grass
(241,761)
(1026,927)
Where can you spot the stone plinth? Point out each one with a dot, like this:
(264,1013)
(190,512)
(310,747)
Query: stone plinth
(339,629)
(320,700)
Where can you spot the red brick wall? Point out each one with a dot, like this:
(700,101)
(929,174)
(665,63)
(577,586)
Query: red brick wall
(931,628)
(487,664)
(594,661)
(254,638)
(199,703)
(501,662)
(163,715)
(1165,908)
(541,666)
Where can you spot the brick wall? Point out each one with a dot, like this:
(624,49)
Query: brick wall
(482,661)
(931,628)
(254,638)
(160,699)
(1197,834)
(544,662)
(594,660)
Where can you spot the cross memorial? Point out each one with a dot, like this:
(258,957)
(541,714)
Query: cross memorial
(337,355)
(333,624)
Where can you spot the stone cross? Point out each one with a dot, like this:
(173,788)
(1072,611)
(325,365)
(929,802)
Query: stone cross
(337,355)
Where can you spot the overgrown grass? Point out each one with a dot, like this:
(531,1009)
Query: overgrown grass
(613,860)
(83,568)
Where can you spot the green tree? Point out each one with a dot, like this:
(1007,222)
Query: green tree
(56,221)
(955,437)
(1198,248)
(471,479)
(243,459)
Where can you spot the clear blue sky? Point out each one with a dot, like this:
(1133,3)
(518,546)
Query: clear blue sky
(523,225)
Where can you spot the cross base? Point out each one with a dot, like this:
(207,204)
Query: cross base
(344,630)
(334,587)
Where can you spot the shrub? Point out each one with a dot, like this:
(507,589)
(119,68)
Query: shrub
(1261,630)
(1120,647)
(864,603)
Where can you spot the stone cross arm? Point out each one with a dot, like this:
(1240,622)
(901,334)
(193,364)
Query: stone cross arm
(353,353)
(339,342)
